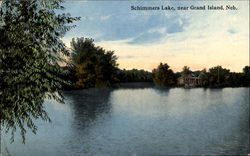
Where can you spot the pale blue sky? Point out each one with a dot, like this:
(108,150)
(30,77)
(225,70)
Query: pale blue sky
(142,39)
(114,21)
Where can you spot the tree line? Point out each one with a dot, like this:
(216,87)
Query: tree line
(92,66)
(213,77)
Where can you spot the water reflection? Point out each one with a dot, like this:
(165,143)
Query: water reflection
(136,85)
(146,121)
(163,91)
(87,105)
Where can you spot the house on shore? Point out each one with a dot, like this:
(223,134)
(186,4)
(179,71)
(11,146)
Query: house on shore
(189,80)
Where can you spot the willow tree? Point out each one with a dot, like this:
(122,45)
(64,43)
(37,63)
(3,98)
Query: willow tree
(30,52)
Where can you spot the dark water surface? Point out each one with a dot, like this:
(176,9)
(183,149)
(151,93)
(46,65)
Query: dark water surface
(146,121)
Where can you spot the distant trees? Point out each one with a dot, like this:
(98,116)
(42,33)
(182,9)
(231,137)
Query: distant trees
(219,76)
(246,70)
(222,77)
(93,65)
(186,70)
(235,80)
(246,76)
(134,75)
(204,76)
(163,75)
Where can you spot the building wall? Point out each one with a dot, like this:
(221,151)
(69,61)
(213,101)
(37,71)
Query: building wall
(189,81)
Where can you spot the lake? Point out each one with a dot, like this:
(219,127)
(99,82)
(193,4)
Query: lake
(141,121)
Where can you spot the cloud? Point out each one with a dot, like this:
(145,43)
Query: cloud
(124,24)
(105,17)
(232,31)
(147,38)
(127,57)
(142,39)
(221,49)
(157,33)
(161,30)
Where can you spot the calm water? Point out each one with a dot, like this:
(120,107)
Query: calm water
(146,121)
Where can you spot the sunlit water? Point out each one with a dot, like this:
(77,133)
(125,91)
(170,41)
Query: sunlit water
(141,122)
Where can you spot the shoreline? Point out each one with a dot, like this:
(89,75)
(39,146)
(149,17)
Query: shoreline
(151,84)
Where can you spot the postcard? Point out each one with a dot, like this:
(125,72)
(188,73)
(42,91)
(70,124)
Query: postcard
(124,77)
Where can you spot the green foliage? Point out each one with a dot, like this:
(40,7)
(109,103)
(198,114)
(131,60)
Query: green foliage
(235,80)
(246,70)
(30,49)
(163,75)
(134,75)
(186,70)
(222,77)
(203,75)
(94,66)
(218,76)
(69,76)
(246,76)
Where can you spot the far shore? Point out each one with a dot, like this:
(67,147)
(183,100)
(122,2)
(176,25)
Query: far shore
(151,85)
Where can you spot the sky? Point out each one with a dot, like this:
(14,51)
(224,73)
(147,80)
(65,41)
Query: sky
(143,39)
